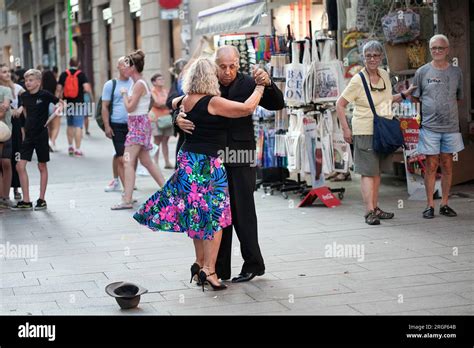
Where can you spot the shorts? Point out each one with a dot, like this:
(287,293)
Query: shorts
(75,121)
(120,134)
(39,144)
(367,162)
(7,149)
(156,131)
(434,143)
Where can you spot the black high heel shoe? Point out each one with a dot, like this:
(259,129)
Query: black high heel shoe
(195,268)
(203,279)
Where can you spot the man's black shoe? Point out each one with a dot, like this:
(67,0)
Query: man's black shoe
(245,277)
(447,211)
(428,213)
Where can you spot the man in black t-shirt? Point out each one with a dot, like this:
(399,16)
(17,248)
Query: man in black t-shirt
(72,86)
(36,103)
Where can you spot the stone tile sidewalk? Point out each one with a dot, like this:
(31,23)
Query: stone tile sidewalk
(404,266)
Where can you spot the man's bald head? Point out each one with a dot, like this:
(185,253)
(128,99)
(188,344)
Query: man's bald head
(227,51)
(227,60)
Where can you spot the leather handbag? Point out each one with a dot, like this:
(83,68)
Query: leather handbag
(388,136)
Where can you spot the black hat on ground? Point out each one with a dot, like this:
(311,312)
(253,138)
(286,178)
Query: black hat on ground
(126,294)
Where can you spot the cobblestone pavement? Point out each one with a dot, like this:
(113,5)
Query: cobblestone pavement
(407,265)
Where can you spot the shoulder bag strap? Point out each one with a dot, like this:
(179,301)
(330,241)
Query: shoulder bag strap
(367,92)
(114,84)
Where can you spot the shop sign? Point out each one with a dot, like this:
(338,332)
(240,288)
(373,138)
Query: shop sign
(107,15)
(169,4)
(135,5)
(169,14)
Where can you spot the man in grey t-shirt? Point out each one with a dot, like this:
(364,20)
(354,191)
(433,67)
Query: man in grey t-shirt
(439,90)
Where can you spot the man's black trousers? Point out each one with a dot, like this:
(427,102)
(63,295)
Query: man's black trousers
(242,181)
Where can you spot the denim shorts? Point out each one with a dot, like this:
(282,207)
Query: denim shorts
(434,143)
(75,121)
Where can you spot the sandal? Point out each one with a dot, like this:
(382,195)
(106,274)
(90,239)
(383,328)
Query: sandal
(383,215)
(371,218)
(122,206)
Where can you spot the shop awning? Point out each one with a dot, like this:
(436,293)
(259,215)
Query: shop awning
(230,16)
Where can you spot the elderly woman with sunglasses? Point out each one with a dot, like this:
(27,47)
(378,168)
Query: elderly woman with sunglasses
(367,162)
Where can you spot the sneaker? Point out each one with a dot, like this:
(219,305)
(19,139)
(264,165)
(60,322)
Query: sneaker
(40,204)
(428,213)
(71,151)
(5,203)
(447,211)
(371,218)
(88,133)
(78,153)
(383,215)
(113,186)
(22,206)
(17,196)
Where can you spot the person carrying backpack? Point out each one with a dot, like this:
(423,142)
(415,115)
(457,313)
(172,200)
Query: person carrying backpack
(115,117)
(72,86)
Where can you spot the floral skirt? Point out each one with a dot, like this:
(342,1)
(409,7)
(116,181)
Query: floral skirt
(139,131)
(194,200)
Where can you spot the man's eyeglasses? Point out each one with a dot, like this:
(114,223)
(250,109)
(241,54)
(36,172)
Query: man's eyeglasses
(438,48)
(377,89)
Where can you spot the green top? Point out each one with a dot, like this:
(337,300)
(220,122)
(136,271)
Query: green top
(6,93)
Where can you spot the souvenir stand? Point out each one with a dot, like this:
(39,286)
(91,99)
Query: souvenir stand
(301,139)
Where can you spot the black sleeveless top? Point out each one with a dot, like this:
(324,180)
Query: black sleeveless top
(210,132)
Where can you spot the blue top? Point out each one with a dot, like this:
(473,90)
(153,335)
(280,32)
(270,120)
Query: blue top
(119,113)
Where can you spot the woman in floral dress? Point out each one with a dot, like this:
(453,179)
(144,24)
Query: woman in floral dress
(195,199)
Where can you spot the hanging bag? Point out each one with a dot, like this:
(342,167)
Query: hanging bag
(295,73)
(388,136)
(329,75)
(401,26)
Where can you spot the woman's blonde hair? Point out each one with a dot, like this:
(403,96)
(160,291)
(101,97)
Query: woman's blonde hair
(201,78)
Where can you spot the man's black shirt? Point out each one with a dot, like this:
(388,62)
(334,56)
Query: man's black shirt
(37,111)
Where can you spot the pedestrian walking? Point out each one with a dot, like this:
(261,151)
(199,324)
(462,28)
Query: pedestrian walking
(115,119)
(72,85)
(440,87)
(161,123)
(196,199)
(138,139)
(50,84)
(367,162)
(35,102)
(6,96)
(18,122)
(242,175)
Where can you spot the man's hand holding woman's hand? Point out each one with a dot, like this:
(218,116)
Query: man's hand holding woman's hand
(261,77)
(185,125)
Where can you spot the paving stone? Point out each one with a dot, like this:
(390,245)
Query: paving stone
(417,303)
(82,249)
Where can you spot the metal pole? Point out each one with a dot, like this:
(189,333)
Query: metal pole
(69,26)
(435,16)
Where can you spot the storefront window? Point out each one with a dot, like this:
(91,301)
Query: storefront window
(49,46)
(27,50)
